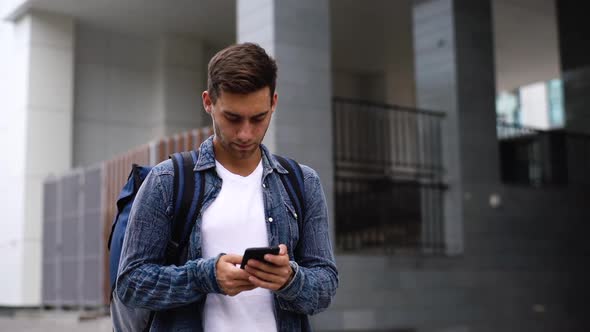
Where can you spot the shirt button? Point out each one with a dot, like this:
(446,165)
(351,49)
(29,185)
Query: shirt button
(269,219)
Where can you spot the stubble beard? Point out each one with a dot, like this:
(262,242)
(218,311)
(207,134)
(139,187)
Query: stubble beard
(227,145)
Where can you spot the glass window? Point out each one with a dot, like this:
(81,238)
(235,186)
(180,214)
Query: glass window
(555,96)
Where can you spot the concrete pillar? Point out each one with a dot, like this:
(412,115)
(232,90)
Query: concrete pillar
(297,34)
(575,64)
(575,72)
(181,77)
(40,142)
(454,63)
(576,87)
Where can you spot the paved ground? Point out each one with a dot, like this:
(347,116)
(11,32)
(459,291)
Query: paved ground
(54,321)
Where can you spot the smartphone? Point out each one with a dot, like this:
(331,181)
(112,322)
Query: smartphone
(258,254)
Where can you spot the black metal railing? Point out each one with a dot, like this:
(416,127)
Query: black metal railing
(538,158)
(388,178)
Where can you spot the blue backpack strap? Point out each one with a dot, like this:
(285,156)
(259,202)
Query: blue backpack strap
(293,183)
(186,201)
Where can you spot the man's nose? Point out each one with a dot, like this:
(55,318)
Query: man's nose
(245,132)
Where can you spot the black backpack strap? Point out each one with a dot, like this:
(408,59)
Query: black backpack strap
(194,205)
(185,182)
(186,207)
(293,183)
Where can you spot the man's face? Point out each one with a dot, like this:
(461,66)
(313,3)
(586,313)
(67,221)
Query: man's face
(240,121)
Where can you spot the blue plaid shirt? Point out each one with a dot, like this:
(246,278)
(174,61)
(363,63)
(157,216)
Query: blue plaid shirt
(178,293)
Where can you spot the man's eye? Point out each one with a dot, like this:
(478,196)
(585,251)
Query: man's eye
(259,119)
(233,119)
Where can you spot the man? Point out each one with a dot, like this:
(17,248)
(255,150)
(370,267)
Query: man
(244,205)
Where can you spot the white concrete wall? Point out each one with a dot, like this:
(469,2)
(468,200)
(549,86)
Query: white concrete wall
(48,132)
(131,89)
(13,52)
(9,8)
(39,63)
(181,78)
(115,102)
(209,50)
(526,42)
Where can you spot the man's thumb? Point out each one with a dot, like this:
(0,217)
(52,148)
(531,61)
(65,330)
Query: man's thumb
(283,249)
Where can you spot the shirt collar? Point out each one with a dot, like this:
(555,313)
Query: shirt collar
(207,158)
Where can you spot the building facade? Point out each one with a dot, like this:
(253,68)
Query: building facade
(85,81)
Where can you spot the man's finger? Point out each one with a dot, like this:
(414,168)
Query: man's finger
(265,276)
(279,260)
(273,268)
(264,284)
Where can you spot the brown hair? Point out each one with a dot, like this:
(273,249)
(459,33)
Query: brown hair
(241,68)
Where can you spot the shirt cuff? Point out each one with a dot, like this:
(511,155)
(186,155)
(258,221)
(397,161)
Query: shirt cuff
(216,287)
(204,274)
(292,289)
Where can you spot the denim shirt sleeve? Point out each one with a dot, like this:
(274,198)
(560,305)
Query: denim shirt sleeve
(316,276)
(142,280)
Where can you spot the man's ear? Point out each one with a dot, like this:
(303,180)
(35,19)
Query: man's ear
(275,99)
(207,102)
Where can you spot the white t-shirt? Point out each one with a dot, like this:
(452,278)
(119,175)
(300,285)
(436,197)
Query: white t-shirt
(233,222)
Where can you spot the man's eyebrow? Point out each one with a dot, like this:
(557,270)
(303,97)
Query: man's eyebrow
(230,113)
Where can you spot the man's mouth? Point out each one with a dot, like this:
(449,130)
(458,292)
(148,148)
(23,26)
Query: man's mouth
(244,147)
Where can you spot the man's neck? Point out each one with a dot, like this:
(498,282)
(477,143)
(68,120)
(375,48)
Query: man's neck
(243,167)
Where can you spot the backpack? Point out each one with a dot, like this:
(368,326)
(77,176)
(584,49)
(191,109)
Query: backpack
(186,180)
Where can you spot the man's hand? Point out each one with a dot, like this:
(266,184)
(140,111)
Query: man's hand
(272,276)
(231,279)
